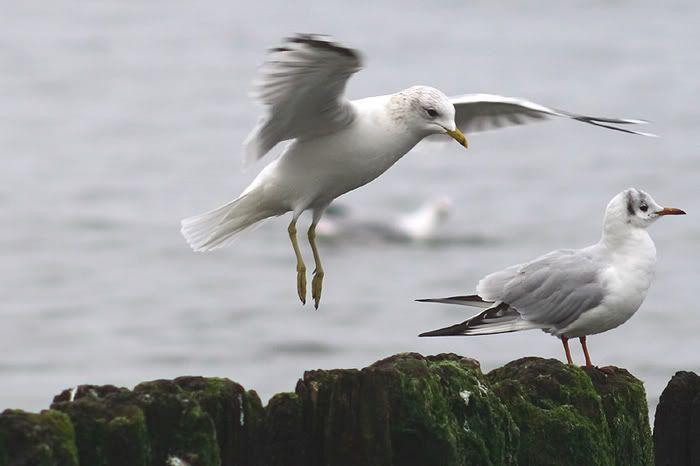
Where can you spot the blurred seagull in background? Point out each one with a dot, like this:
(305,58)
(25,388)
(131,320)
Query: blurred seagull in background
(416,226)
(339,145)
(422,224)
(572,293)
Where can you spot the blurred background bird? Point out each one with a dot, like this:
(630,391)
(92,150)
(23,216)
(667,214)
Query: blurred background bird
(418,225)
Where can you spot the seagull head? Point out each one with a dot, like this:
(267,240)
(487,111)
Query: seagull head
(636,208)
(428,111)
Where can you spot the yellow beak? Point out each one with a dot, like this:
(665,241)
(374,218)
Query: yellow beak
(458,136)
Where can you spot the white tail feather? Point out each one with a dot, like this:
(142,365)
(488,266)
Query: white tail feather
(219,227)
(501,327)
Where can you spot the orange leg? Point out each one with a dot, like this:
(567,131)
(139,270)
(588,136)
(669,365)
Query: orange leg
(585,351)
(565,342)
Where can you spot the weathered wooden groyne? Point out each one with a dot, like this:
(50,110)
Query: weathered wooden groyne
(401,411)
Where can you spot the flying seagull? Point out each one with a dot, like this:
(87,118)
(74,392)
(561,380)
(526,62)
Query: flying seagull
(572,293)
(338,145)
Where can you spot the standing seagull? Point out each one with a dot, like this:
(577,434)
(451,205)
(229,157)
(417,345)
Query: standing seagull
(572,293)
(339,145)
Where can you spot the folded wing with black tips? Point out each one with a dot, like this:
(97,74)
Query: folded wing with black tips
(500,318)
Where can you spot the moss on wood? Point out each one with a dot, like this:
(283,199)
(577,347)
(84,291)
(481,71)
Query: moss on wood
(31,439)
(405,410)
(626,411)
(110,427)
(568,415)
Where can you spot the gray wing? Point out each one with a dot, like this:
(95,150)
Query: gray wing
(551,291)
(302,84)
(482,112)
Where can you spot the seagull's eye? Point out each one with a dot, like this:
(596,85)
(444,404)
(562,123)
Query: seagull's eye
(432,112)
(643,207)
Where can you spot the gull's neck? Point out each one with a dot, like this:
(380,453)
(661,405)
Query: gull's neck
(625,239)
(631,259)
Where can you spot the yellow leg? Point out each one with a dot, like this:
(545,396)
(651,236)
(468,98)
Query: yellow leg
(317,281)
(301,268)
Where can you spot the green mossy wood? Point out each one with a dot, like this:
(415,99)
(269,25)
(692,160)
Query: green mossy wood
(405,410)
(30,439)
(627,414)
(566,418)
(199,421)
(110,427)
(284,437)
(237,414)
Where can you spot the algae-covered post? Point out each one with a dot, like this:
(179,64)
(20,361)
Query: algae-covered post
(43,439)
(565,417)
(405,410)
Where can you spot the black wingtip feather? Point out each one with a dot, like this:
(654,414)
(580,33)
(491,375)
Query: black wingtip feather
(623,130)
(455,299)
(607,123)
(452,330)
(322,41)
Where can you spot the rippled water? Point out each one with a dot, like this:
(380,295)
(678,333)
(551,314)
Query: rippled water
(117,120)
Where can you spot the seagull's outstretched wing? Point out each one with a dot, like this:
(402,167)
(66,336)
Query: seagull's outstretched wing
(302,84)
(483,112)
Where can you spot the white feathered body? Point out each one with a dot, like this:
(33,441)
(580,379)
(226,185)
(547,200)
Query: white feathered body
(351,159)
(572,292)
(626,280)
(297,182)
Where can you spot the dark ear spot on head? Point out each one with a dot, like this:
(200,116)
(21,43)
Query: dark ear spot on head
(630,204)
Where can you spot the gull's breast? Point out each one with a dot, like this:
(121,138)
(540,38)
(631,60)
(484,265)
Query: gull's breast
(336,163)
(627,281)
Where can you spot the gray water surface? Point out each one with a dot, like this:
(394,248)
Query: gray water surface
(117,120)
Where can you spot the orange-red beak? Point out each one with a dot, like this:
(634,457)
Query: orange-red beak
(669,211)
